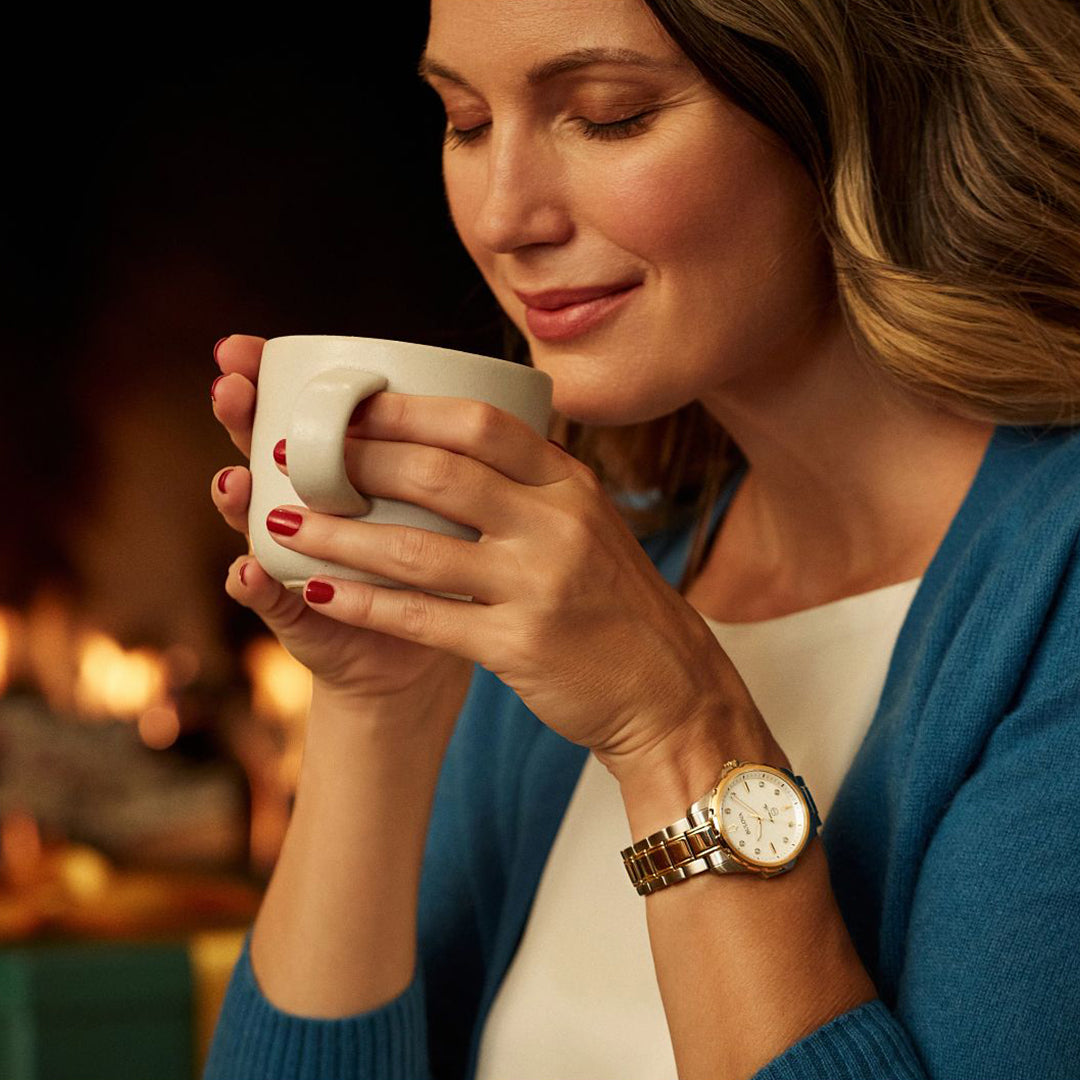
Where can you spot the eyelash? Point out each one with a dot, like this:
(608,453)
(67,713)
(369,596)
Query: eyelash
(618,129)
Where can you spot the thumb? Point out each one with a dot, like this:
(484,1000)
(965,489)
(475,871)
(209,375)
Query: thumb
(251,586)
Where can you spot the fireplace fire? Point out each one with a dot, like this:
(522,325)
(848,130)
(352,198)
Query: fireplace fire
(99,784)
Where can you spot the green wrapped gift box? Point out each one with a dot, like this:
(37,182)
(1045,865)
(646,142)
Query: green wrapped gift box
(96,1011)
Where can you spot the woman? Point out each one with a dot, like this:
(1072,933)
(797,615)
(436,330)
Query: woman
(805,275)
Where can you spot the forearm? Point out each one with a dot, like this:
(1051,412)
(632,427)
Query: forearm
(746,966)
(336,932)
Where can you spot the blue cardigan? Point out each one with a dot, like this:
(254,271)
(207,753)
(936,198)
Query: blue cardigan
(952,843)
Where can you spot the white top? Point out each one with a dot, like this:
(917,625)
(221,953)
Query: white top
(580,999)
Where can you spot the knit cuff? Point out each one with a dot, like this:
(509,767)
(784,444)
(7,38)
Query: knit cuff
(255,1040)
(866,1041)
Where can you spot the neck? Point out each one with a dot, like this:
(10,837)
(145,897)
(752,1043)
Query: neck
(851,483)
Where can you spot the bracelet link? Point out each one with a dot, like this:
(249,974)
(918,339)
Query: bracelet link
(675,853)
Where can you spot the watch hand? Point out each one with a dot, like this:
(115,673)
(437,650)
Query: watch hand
(754,812)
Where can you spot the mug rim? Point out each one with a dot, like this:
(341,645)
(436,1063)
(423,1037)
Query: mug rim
(410,344)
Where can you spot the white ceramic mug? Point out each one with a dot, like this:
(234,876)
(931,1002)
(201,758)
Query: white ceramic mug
(309,385)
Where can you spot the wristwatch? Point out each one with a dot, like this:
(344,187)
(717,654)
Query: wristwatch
(756,820)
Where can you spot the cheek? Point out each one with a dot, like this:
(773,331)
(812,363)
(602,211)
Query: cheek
(651,209)
(716,207)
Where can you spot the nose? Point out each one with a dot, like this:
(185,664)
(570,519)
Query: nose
(525,199)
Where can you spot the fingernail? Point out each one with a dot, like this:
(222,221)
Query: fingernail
(319,592)
(283,522)
(218,346)
(213,387)
(221,481)
(243,571)
(279,452)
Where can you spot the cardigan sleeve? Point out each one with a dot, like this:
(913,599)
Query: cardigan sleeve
(254,1040)
(986,984)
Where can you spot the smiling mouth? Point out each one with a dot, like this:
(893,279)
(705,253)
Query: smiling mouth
(572,320)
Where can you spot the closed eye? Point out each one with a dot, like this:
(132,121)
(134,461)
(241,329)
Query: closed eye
(617,129)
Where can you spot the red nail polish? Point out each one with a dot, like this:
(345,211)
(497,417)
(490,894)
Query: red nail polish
(221,481)
(319,592)
(243,571)
(283,522)
(213,387)
(217,346)
(279,452)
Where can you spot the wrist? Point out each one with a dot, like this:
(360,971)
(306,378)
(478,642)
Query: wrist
(419,712)
(658,783)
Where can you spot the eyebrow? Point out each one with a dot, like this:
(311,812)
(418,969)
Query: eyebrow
(558,65)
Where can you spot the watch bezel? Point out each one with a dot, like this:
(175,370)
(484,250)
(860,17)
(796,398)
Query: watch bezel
(716,797)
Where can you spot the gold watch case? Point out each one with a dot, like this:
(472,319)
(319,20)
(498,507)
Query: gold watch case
(729,822)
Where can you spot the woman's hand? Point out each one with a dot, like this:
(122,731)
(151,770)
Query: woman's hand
(348,662)
(568,609)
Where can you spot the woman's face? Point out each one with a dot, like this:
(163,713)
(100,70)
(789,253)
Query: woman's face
(585,152)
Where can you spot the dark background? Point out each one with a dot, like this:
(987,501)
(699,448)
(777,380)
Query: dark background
(160,192)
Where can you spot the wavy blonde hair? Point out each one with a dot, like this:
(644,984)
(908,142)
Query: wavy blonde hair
(944,142)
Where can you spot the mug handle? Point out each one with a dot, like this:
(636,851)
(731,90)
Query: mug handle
(315,440)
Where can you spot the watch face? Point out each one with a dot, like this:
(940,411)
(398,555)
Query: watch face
(761,815)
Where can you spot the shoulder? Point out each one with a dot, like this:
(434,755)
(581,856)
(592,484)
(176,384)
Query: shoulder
(998,614)
(1027,465)
(1023,508)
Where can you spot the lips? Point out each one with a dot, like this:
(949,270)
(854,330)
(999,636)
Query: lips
(553,299)
(559,314)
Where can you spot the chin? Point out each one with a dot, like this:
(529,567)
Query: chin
(612,386)
(599,406)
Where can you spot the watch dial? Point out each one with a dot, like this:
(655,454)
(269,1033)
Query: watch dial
(762,816)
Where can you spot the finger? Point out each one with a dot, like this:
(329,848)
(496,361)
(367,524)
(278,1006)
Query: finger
(251,586)
(240,353)
(453,485)
(454,626)
(483,432)
(230,491)
(412,556)
(233,397)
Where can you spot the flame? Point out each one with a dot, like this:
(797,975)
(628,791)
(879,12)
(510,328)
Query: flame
(280,685)
(7,623)
(50,640)
(84,873)
(86,670)
(20,847)
(272,747)
(118,682)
